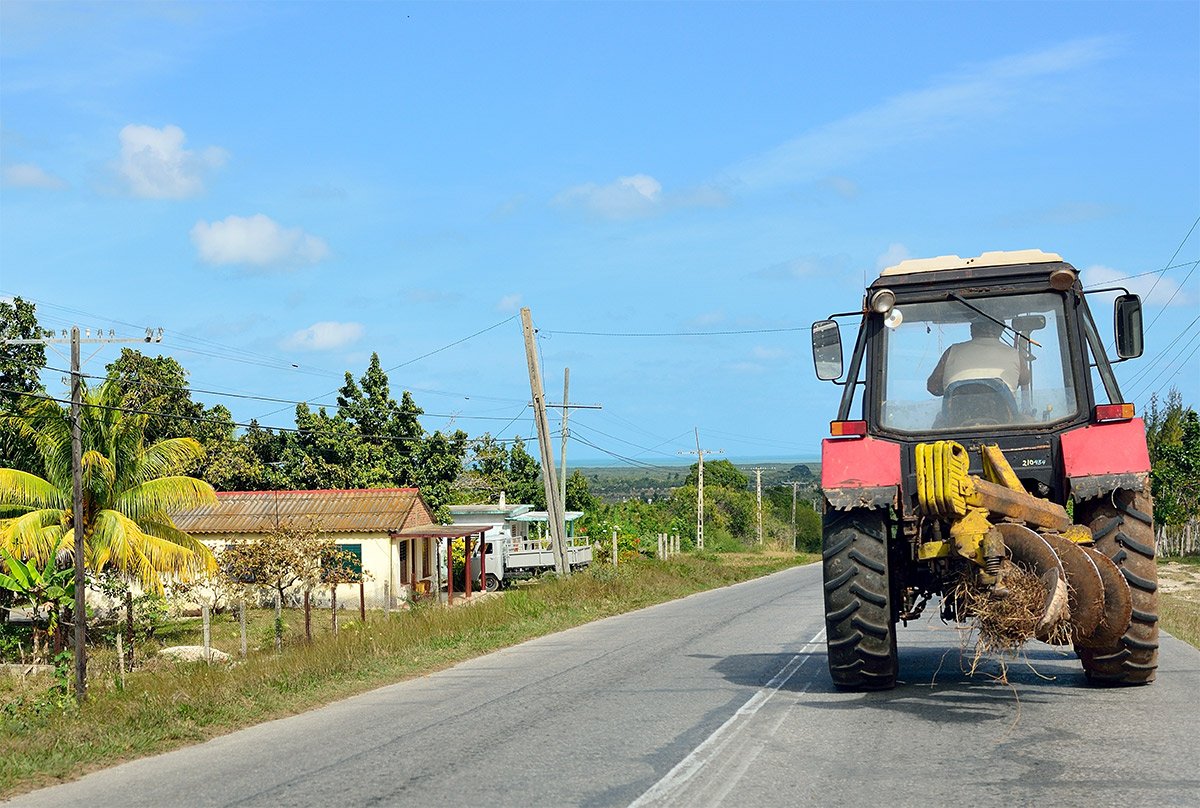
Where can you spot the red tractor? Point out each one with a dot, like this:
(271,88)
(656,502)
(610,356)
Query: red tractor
(981,434)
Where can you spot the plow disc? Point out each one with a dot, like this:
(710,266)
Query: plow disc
(1085,587)
(1118,604)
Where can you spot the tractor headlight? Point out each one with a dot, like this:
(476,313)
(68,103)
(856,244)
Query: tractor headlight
(882,301)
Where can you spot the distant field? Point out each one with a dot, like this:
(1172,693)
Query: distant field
(622,482)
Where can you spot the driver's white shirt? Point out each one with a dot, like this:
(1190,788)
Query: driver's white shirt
(986,358)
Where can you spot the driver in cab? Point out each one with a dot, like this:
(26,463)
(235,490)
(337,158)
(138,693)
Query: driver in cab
(984,356)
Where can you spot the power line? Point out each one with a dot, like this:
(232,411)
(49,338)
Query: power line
(422,356)
(629,460)
(1172,258)
(210,419)
(1177,370)
(677,333)
(271,399)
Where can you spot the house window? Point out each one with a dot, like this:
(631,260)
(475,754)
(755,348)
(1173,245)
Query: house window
(350,563)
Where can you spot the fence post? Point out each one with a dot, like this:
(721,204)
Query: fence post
(362,600)
(387,597)
(242,620)
(614,547)
(333,608)
(278,622)
(120,662)
(206,619)
(308,614)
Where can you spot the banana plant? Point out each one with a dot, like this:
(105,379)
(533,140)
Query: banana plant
(48,586)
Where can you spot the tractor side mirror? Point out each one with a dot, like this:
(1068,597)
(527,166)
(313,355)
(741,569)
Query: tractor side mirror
(1127,323)
(827,350)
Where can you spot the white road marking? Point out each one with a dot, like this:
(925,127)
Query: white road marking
(674,780)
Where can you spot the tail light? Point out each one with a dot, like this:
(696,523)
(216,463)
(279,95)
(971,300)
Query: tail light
(1112,412)
(846,428)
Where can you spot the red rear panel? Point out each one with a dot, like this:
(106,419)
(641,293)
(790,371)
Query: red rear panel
(1116,448)
(859,463)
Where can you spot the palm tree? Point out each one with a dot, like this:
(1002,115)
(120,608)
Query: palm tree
(128,490)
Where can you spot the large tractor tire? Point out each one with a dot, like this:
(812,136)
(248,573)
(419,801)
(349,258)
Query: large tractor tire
(860,629)
(1122,524)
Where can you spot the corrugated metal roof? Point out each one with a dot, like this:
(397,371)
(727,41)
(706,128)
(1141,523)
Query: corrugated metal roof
(370,510)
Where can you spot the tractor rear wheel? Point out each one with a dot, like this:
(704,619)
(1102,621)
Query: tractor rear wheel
(860,629)
(1122,524)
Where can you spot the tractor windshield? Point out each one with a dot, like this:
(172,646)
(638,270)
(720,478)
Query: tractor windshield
(982,362)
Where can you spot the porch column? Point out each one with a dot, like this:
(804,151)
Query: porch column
(467,561)
(449,573)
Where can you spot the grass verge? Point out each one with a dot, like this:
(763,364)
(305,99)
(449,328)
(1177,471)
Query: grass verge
(175,705)
(1181,617)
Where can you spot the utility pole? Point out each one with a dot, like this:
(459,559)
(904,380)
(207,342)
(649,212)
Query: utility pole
(79,613)
(700,453)
(758,504)
(554,509)
(795,484)
(566,409)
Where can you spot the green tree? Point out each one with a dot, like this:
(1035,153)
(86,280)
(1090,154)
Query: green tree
(1175,476)
(19,369)
(525,477)
(720,474)
(579,494)
(129,487)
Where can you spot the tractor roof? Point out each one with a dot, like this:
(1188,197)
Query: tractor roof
(998,258)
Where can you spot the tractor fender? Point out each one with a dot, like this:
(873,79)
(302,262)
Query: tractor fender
(859,472)
(1101,458)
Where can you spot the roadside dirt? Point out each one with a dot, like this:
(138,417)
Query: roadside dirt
(1178,579)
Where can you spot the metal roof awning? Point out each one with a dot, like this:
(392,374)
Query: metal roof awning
(540,516)
(439,531)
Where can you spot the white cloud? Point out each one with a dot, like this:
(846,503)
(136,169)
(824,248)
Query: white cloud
(509,303)
(842,186)
(894,254)
(805,266)
(707,319)
(324,336)
(155,165)
(635,196)
(765,353)
(28,175)
(989,92)
(1166,288)
(256,240)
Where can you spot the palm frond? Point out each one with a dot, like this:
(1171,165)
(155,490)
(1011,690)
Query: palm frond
(35,535)
(163,528)
(164,495)
(165,458)
(117,541)
(25,490)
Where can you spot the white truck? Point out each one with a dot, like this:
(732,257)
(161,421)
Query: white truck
(516,542)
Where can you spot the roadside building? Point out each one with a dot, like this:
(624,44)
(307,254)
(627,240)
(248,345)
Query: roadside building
(391,531)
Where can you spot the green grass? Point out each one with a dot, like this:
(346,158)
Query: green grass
(1181,617)
(165,706)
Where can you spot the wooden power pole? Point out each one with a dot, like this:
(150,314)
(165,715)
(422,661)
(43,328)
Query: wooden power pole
(700,453)
(554,509)
(566,407)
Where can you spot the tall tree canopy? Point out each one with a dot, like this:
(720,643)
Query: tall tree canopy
(129,487)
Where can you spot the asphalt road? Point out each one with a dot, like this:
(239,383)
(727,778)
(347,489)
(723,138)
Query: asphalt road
(718,699)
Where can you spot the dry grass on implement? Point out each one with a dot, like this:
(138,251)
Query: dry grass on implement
(1004,624)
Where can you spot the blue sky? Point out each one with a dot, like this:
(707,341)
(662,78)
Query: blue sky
(285,188)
